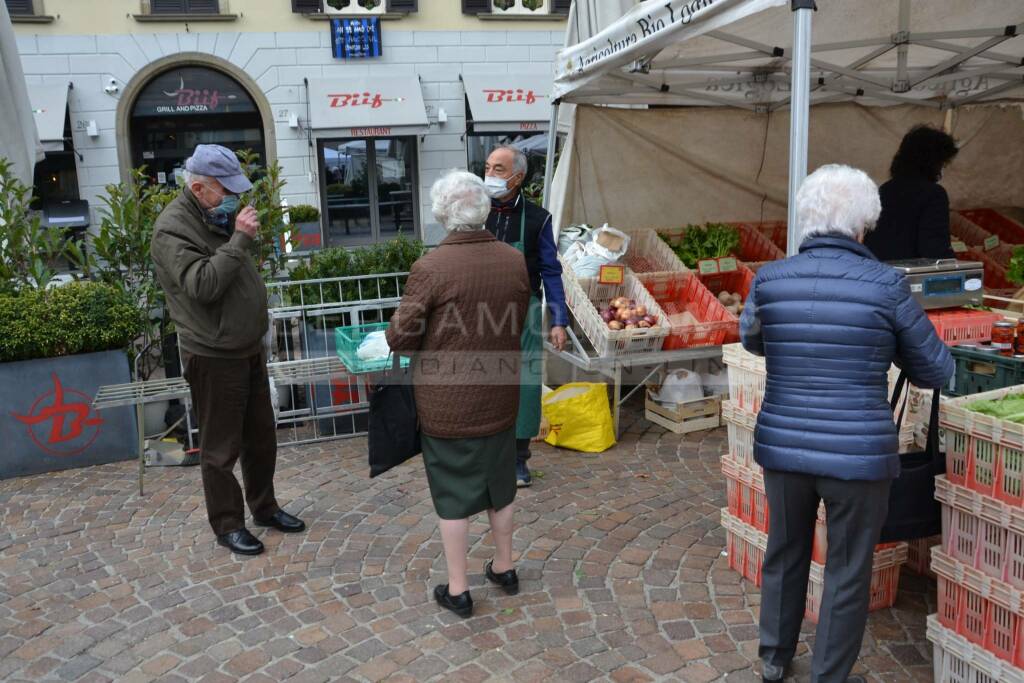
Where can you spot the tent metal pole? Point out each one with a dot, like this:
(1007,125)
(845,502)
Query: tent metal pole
(799,111)
(549,162)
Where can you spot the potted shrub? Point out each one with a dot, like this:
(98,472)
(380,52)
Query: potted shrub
(305,223)
(58,347)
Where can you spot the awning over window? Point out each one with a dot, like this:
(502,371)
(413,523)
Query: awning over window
(370,106)
(49,107)
(506,103)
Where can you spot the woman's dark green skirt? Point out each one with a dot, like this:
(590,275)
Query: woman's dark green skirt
(468,476)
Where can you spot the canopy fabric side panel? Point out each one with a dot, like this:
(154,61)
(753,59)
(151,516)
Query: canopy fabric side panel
(18,139)
(666,167)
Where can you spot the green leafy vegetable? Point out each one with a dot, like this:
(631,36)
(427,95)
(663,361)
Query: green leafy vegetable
(1015,273)
(712,240)
(1009,407)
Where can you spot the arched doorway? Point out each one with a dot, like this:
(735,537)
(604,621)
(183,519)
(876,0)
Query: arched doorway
(179,103)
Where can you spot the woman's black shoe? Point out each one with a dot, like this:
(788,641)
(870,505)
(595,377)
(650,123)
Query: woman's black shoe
(507,581)
(461,604)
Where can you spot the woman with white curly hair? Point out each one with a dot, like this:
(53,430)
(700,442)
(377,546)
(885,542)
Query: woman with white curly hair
(830,322)
(461,318)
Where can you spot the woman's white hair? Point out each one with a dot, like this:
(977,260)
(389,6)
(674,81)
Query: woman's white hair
(459,201)
(837,200)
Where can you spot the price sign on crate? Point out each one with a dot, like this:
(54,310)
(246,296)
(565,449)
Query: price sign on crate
(991,242)
(612,275)
(708,267)
(727,265)
(959,247)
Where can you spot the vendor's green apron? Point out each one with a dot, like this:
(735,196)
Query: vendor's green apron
(532,342)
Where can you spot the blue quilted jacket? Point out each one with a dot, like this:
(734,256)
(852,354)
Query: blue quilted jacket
(830,322)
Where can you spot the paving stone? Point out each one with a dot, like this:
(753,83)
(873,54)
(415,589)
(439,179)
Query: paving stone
(620,559)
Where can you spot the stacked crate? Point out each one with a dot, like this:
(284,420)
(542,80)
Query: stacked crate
(745,519)
(978,632)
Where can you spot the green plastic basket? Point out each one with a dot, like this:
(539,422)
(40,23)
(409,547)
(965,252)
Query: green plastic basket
(978,372)
(347,341)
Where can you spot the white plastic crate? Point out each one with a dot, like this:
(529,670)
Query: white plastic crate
(584,296)
(740,425)
(957,660)
(648,253)
(984,453)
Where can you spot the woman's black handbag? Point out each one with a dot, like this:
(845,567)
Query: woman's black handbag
(913,511)
(394,431)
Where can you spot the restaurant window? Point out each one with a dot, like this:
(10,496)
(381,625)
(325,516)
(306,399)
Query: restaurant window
(182,108)
(21,7)
(368,189)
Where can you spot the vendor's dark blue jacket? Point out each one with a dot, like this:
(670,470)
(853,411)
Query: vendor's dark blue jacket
(830,322)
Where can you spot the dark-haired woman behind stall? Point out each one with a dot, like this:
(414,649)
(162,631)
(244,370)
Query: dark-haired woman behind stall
(915,208)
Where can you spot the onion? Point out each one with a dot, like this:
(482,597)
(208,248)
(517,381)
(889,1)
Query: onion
(724,298)
(619,302)
(641,311)
(643,324)
(607,315)
(623,314)
(615,325)
(630,326)
(650,320)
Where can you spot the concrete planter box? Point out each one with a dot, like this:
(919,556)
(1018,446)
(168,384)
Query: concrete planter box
(47,422)
(307,235)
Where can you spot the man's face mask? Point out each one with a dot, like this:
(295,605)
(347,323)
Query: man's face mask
(496,187)
(221,214)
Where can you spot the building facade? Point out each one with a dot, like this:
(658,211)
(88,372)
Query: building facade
(361,137)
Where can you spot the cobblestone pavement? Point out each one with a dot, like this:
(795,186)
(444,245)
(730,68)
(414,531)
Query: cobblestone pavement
(621,557)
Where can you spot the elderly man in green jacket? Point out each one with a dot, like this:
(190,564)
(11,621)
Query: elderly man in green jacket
(217,299)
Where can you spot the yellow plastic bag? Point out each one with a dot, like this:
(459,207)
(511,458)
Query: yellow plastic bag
(579,417)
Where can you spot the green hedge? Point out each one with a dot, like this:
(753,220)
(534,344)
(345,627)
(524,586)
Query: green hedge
(82,317)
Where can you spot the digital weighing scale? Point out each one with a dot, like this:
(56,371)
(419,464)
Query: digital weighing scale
(944,283)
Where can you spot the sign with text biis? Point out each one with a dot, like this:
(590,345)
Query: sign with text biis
(356,38)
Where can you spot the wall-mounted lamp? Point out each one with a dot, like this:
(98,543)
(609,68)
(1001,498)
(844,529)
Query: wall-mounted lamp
(92,130)
(442,116)
(293,120)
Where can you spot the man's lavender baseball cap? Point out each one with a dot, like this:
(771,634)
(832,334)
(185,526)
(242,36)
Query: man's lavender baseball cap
(220,163)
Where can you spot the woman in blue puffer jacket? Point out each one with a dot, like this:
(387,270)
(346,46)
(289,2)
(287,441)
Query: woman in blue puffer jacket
(830,322)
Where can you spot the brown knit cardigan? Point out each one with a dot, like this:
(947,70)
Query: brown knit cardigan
(462,313)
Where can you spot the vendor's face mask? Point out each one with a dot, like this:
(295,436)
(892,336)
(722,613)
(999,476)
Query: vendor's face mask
(496,187)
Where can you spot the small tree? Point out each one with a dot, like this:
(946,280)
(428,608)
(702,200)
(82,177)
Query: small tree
(265,197)
(29,252)
(119,256)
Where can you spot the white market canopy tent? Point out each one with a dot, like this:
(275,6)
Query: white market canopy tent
(19,142)
(726,68)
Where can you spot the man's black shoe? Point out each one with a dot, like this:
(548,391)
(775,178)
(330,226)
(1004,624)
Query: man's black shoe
(507,581)
(772,673)
(461,604)
(241,542)
(282,521)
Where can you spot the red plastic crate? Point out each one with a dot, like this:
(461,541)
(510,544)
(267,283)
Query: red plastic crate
(967,231)
(985,611)
(775,231)
(992,221)
(982,533)
(738,281)
(754,246)
(745,547)
(683,292)
(962,326)
(919,555)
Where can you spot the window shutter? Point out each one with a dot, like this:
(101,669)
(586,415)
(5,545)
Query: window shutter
(203,6)
(20,7)
(476,6)
(306,6)
(167,6)
(403,5)
(561,6)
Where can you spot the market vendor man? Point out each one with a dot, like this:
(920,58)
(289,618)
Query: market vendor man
(526,226)
(202,248)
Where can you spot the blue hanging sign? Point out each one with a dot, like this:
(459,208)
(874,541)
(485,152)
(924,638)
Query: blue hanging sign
(356,38)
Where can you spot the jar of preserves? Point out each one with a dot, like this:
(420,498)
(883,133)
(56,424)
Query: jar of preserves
(1018,347)
(1002,337)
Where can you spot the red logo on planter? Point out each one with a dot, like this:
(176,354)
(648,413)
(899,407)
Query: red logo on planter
(71,429)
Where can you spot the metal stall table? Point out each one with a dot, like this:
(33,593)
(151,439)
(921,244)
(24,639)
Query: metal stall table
(612,366)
